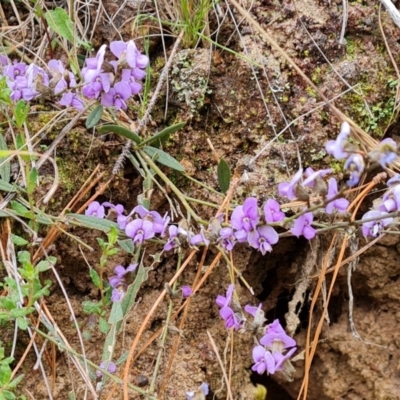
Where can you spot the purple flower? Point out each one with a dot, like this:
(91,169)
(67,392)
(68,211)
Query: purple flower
(336,148)
(272,212)
(159,223)
(340,204)
(201,392)
(35,75)
(118,282)
(385,153)
(173,240)
(186,291)
(129,54)
(277,342)
(230,317)
(94,65)
(199,239)
(226,312)
(253,310)
(388,151)
(107,365)
(391,200)
(117,209)
(95,210)
(257,313)
(288,189)
(71,99)
(128,77)
(15,70)
(374,228)
(21,90)
(394,180)
(281,360)
(4,60)
(275,327)
(245,218)
(264,361)
(96,85)
(355,165)
(262,238)
(223,301)
(312,176)
(117,96)
(302,226)
(139,230)
(120,273)
(64,78)
(227,238)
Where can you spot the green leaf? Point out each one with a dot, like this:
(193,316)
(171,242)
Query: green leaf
(5,374)
(43,266)
(103,325)
(21,112)
(95,278)
(59,21)
(13,384)
(116,314)
(5,166)
(32,180)
(163,136)
(120,130)
(224,175)
(7,395)
(22,323)
(18,240)
(91,222)
(163,158)
(90,307)
(94,117)
(111,252)
(127,245)
(7,187)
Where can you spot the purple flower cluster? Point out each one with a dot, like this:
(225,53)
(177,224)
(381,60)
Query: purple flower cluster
(341,148)
(275,348)
(245,226)
(139,225)
(274,351)
(112,82)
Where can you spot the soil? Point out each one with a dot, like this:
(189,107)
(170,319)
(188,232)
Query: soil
(239,107)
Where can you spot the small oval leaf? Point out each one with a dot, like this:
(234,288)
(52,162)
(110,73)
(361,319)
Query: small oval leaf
(224,175)
(94,117)
(163,158)
(120,130)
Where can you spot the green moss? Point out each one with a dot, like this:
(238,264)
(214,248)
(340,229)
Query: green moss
(316,76)
(311,92)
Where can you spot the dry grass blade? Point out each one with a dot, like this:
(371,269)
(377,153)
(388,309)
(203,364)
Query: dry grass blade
(214,346)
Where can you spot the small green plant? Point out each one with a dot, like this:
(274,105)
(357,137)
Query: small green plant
(7,383)
(18,303)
